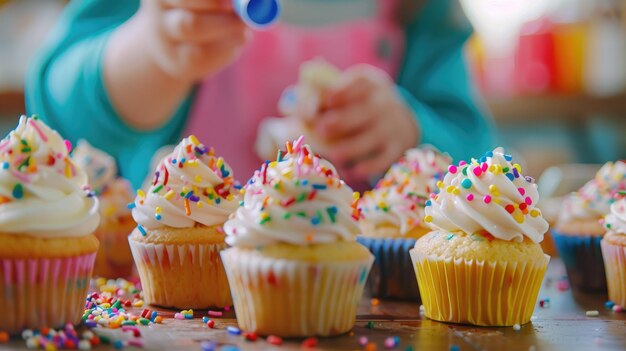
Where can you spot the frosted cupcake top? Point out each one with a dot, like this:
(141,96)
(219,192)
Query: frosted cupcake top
(113,192)
(399,198)
(594,199)
(42,192)
(488,197)
(298,199)
(615,221)
(191,186)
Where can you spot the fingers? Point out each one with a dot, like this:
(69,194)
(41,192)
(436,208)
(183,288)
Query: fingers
(356,84)
(188,26)
(350,150)
(345,121)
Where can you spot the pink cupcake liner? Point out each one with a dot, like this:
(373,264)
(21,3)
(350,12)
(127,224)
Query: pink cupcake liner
(50,292)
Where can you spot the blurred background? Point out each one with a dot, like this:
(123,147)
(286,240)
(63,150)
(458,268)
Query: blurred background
(552,72)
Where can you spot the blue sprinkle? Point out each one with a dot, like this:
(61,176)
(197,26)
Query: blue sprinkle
(189,194)
(305,182)
(5,165)
(233,330)
(131,205)
(315,221)
(483,159)
(188,316)
(320,186)
(428,203)
(157,217)
(142,230)
(182,160)
(208,346)
(489,154)
(118,344)
(609,305)
(90,324)
(455,348)
(174,161)
(508,157)
(218,200)
(229,348)
(205,319)
(510,176)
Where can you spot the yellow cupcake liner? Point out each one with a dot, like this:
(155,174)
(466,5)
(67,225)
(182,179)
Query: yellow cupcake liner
(182,275)
(294,299)
(615,267)
(477,292)
(43,292)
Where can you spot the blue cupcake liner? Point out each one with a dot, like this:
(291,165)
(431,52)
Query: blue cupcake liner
(392,275)
(583,261)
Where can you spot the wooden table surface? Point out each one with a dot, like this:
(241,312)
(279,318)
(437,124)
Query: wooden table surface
(561,326)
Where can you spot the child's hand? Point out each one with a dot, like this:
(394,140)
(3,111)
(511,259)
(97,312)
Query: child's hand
(190,39)
(366,124)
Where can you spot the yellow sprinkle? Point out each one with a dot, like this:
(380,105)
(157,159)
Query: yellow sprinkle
(194,140)
(193,163)
(456,191)
(242,191)
(518,167)
(519,218)
(185,189)
(138,303)
(141,193)
(493,188)
(68,171)
(534,213)
(428,219)
(199,204)
(273,164)
(158,210)
(356,195)
(450,188)
(105,305)
(97,318)
(220,162)
(498,169)
(264,215)
(230,197)
(496,201)
(492,168)
(197,179)
(169,195)
(440,184)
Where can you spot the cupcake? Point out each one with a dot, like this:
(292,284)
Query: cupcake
(578,232)
(392,220)
(179,234)
(614,250)
(294,268)
(482,263)
(114,258)
(47,220)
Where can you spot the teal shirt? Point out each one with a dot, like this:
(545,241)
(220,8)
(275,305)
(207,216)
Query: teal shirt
(64,86)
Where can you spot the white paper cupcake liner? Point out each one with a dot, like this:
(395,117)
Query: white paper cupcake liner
(182,275)
(292,298)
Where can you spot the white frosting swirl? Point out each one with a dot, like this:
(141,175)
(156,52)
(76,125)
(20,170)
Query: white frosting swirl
(42,192)
(191,186)
(398,199)
(100,167)
(113,192)
(594,199)
(298,199)
(489,195)
(615,221)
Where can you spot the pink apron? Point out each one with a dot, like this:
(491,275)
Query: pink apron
(229,106)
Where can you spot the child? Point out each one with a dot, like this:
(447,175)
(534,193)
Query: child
(131,76)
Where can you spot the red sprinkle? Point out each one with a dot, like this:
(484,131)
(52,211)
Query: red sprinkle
(250,336)
(215,313)
(310,342)
(509,208)
(165,176)
(274,340)
(210,324)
